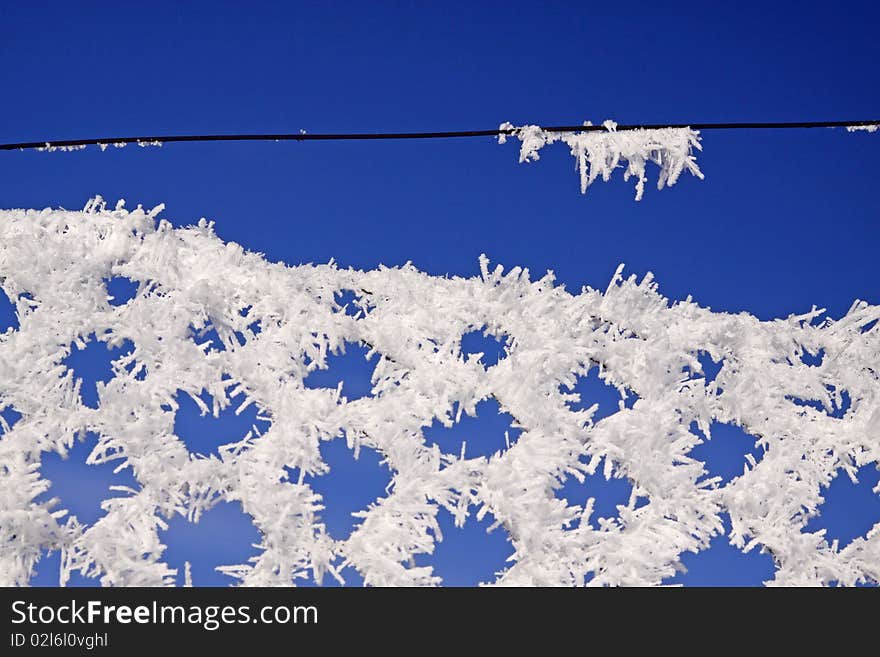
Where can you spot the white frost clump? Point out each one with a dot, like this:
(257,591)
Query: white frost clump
(862,128)
(599,153)
(102,145)
(52,265)
(49,148)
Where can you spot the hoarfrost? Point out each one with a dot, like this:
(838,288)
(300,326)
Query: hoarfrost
(53,264)
(599,153)
(863,128)
(49,148)
(120,144)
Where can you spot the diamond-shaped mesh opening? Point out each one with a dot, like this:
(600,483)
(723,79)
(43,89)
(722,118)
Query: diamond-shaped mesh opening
(349,367)
(484,434)
(349,302)
(722,564)
(850,509)
(468,555)
(492,348)
(223,536)
(204,433)
(351,485)
(708,368)
(608,494)
(726,451)
(592,390)
(120,289)
(94,364)
(80,486)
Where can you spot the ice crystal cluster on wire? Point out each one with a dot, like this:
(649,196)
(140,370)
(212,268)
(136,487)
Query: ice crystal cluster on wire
(873,127)
(53,264)
(599,153)
(51,148)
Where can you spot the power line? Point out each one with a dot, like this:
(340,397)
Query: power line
(360,136)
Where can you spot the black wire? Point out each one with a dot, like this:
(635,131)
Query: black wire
(299,136)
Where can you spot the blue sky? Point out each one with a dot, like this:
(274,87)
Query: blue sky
(783,220)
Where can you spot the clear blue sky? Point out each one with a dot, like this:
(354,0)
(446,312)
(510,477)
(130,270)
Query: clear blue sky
(783,220)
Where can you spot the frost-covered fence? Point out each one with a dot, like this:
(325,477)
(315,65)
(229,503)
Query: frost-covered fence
(814,420)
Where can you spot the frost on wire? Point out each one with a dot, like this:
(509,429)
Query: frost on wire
(53,264)
(598,153)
